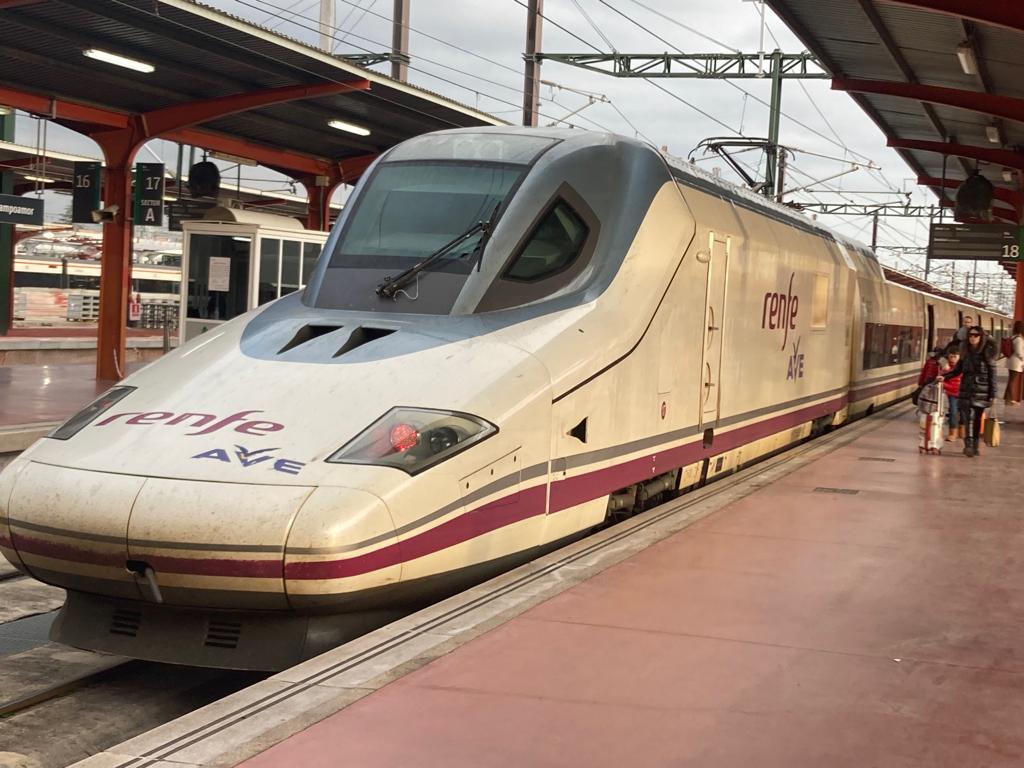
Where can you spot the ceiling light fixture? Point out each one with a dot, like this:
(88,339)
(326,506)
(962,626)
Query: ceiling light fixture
(994,134)
(118,61)
(40,179)
(341,125)
(1007,175)
(968,60)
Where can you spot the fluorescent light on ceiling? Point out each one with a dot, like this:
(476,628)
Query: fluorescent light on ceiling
(40,179)
(341,125)
(968,61)
(993,134)
(119,61)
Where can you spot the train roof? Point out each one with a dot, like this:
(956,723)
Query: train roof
(699,178)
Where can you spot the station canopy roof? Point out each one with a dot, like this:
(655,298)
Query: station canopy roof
(202,60)
(52,170)
(941,78)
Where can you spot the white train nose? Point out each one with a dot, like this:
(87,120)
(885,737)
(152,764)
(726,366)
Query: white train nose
(205,543)
(343,541)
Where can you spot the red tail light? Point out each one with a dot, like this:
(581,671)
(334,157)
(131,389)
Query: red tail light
(404,437)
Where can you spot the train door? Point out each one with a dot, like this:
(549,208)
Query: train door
(711,366)
(931,328)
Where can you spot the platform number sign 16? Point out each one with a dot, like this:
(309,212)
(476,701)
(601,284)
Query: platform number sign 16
(149,194)
(85,192)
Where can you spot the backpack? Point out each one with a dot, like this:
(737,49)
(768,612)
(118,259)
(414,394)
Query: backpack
(1006,346)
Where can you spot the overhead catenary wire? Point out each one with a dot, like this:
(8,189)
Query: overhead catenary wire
(678,98)
(426,72)
(515,89)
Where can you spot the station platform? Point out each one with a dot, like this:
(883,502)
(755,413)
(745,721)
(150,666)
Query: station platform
(35,398)
(73,344)
(848,603)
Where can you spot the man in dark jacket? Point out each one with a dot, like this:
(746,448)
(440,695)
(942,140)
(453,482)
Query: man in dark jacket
(978,385)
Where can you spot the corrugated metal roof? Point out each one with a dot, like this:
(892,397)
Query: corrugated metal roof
(202,53)
(873,40)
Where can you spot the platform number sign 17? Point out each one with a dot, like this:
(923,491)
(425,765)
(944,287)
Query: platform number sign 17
(85,191)
(149,194)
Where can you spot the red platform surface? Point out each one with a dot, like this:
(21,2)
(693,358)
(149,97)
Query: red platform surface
(31,394)
(796,627)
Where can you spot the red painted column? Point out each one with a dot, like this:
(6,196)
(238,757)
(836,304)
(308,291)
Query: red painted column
(1018,305)
(119,150)
(317,206)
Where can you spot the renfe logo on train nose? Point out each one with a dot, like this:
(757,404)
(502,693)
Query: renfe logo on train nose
(205,422)
(780,311)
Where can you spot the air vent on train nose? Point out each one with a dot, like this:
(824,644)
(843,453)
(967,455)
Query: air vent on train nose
(223,634)
(307,333)
(125,622)
(362,335)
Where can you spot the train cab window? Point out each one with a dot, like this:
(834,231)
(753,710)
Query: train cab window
(554,245)
(819,302)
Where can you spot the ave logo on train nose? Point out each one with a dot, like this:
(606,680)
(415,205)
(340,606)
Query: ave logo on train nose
(248,458)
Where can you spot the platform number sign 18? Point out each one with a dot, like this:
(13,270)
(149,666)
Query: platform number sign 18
(85,191)
(149,194)
(1014,251)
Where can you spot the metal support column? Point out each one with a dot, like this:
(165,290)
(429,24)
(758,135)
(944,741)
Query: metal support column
(400,41)
(318,201)
(775,113)
(119,148)
(6,233)
(874,232)
(327,25)
(531,85)
(1018,304)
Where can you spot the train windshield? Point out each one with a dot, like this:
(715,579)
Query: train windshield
(424,195)
(412,209)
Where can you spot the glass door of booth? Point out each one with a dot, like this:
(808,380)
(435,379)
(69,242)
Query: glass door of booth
(218,281)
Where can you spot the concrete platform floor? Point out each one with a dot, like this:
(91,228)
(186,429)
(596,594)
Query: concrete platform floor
(865,610)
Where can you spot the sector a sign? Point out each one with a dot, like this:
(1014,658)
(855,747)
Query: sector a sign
(149,194)
(976,242)
(15,209)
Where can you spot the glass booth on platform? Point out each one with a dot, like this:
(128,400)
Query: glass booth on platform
(235,260)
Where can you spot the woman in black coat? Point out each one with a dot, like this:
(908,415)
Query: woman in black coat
(978,385)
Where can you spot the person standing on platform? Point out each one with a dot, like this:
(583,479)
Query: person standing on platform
(952,386)
(961,334)
(977,385)
(1015,365)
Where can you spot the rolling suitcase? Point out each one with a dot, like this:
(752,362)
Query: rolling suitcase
(931,408)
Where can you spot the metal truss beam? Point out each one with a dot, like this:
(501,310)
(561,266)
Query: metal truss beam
(868,209)
(999,13)
(707,66)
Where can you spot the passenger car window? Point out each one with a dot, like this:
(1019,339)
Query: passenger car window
(555,243)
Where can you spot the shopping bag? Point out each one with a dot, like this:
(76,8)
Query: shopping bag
(991,430)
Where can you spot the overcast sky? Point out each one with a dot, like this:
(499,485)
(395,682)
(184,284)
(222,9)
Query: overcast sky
(488,74)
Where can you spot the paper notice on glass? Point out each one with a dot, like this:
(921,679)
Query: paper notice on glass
(220,273)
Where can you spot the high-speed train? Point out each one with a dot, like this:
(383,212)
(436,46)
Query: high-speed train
(512,335)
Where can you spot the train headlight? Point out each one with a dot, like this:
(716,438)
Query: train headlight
(74,425)
(413,439)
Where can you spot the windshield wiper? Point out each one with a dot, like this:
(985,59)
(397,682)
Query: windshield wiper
(392,284)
